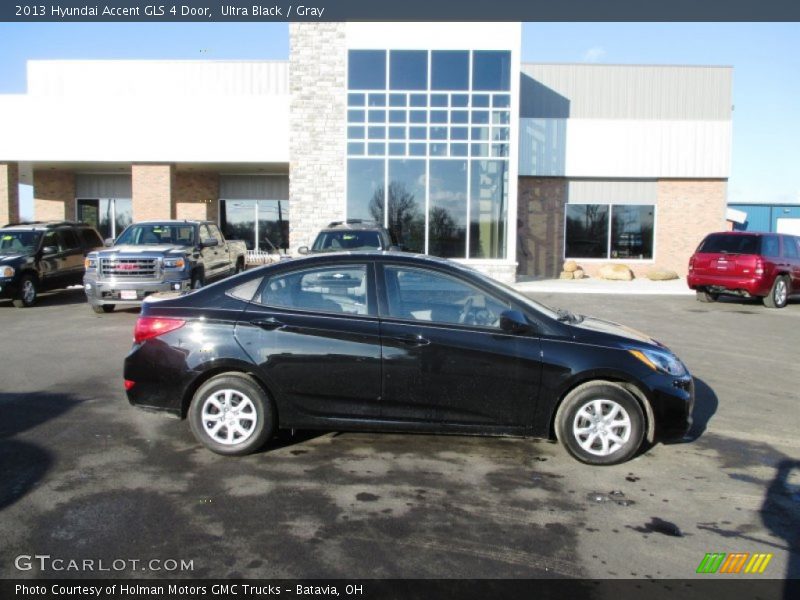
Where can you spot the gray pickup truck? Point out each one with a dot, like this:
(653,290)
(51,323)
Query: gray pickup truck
(159,256)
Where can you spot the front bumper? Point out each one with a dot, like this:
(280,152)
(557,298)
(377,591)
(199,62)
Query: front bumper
(122,292)
(7,288)
(672,400)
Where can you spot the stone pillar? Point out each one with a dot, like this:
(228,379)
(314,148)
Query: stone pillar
(153,186)
(686,210)
(54,195)
(9,193)
(317,128)
(197,196)
(540,233)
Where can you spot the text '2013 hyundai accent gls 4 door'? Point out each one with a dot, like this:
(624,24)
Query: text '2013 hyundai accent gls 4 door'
(395,342)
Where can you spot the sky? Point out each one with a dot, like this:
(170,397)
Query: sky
(765,57)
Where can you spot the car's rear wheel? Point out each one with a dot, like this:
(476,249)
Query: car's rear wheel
(28,292)
(102,308)
(779,294)
(704,296)
(600,423)
(230,414)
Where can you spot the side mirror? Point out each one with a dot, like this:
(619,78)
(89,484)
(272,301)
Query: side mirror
(209,242)
(513,321)
(108,242)
(49,250)
(303,250)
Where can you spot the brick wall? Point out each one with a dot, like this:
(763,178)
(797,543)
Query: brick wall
(53,195)
(316,128)
(197,196)
(153,187)
(687,210)
(9,193)
(540,234)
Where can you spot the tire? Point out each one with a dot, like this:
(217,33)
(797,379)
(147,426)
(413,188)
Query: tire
(102,308)
(239,267)
(28,292)
(580,435)
(779,294)
(242,434)
(198,280)
(704,296)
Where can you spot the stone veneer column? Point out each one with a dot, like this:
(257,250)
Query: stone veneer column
(317,121)
(540,236)
(53,195)
(686,210)
(9,193)
(152,190)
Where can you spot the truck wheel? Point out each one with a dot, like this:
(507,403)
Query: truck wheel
(230,414)
(197,281)
(704,296)
(28,291)
(239,266)
(102,308)
(779,294)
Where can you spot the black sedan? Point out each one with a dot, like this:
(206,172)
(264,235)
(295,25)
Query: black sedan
(397,342)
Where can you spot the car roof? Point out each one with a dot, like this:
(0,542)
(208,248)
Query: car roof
(42,225)
(171,222)
(354,225)
(376,255)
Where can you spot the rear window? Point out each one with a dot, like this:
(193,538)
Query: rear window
(347,240)
(731,244)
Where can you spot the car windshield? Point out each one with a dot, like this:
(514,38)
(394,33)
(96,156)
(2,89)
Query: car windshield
(19,242)
(336,241)
(157,234)
(731,244)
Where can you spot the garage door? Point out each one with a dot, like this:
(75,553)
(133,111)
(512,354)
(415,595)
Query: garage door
(789,225)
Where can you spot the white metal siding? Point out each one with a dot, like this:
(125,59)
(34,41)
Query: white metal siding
(254,187)
(154,78)
(587,91)
(612,192)
(103,186)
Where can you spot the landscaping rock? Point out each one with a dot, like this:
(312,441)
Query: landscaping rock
(566,275)
(658,274)
(570,266)
(615,272)
(578,274)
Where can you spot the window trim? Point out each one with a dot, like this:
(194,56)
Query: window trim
(372,303)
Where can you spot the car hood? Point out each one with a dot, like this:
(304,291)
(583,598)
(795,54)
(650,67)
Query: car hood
(150,249)
(593,328)
(9,258)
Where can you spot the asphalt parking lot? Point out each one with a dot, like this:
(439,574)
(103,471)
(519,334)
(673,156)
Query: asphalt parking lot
(85,476)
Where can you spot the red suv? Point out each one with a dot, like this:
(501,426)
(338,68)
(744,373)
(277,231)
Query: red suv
(747,264)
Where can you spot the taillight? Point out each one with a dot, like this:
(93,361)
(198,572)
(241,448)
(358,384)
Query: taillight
(129,384)
(691,263)
(759,266)
(150,327)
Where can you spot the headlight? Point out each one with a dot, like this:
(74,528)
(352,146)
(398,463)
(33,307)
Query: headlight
(90,263)
(6,271)
(174,263)
(661,361)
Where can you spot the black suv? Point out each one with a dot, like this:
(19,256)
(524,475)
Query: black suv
(352,235)
(41,256)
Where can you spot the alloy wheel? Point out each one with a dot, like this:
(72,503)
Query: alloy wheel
(229,417)
(601,427)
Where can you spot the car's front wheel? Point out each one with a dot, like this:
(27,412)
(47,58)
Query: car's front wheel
(600,423)
(102,308)
(779,294)
(231,414)
(28,292)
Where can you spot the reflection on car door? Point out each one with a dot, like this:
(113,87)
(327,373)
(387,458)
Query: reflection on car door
(210,254)
(314,335)
(445,358)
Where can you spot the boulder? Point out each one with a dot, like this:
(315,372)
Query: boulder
(616,272)
(659,274)
(565,275)
(570,266)
(578,274)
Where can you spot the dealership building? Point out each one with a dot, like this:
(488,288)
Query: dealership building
(439,131)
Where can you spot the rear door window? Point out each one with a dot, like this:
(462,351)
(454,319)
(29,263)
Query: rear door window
(790,247)
(328,289)
(770,246)
(731,244)
(68,241)
(90,238)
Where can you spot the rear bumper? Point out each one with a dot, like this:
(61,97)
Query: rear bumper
(752,286)
(110,291)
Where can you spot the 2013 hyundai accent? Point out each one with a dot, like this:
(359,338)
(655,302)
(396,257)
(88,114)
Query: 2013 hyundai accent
(397,342)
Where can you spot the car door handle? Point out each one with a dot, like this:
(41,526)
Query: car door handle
(412,340)
(268,323)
